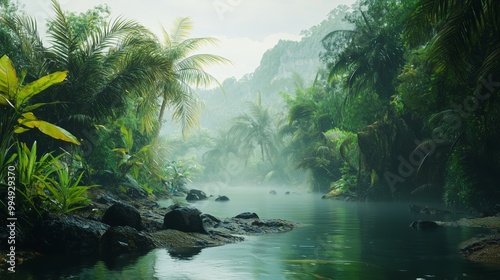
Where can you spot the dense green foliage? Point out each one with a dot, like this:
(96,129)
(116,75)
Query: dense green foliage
(102,84)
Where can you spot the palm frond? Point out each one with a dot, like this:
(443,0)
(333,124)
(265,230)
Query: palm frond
(31,46)
(181,29)
(64,43)
(186,111)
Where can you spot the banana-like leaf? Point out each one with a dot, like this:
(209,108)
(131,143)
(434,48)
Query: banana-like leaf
(39,85)
(29,120)
(9,82)
(4,100)
(37,105)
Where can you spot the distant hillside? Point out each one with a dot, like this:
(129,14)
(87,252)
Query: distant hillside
(273,75)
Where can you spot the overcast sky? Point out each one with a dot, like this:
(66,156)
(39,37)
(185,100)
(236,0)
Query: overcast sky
(245,28)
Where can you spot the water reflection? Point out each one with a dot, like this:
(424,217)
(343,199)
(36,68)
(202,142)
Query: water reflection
(184,253)
(340,241)
(120,262)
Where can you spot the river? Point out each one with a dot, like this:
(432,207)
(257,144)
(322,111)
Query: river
(339,240)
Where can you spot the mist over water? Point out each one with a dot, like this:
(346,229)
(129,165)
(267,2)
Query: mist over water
(338,240)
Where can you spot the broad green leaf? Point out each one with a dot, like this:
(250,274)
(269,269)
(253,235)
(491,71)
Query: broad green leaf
(39,85)
(9,82)
(51,130)
(30,121)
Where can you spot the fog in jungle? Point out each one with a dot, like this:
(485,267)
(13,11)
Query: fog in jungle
(245,135)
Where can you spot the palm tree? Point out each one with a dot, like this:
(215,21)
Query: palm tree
(463,35)
(224,150)
(113,64)
(255,127)
(370,55)
(186,71)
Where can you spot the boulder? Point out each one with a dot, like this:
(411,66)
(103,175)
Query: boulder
(122,214)
(186,219)
(272,192)
(210,220)
(125,239)
(195,194)
(482,249)
(222,198)
(68,235)
(106,199)
(247,215)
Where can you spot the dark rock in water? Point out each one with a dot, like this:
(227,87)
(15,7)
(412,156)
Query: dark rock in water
(222,198)
(210,220)
(424,225)
(196,195)
(272,192)
(287,193)
(184,253)
(184,219)
(68,235)
(482,249)
(122,214)
(247,215)
(125,239)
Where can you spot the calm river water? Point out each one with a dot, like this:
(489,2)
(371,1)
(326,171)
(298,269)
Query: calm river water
(340,240)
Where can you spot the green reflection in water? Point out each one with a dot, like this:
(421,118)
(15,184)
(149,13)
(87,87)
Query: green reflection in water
(335,250)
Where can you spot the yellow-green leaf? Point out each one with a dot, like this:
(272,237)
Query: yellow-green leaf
(51,130)
(4,100)
(19,129)
(29,116)
(8,78)
(39,85)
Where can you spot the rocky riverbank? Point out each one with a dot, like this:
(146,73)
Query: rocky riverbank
(116,226)
(483,249)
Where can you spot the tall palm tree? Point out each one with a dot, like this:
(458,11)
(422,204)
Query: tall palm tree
(255,127)
(113,64)
(187,71)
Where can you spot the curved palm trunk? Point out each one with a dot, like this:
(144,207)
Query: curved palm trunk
(262,151)
(160,119)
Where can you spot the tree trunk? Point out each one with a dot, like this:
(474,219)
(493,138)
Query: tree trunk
(160,118)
